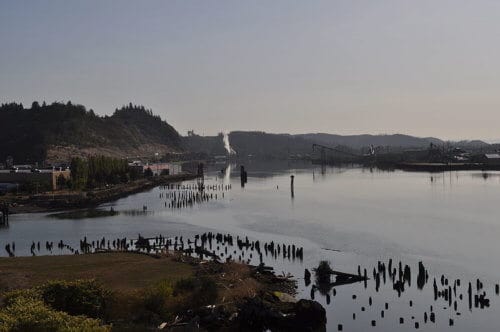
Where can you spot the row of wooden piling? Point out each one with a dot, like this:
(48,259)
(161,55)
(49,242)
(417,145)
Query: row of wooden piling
(450,292)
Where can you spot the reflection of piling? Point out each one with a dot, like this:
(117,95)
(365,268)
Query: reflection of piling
(200,171)
(307,277)
(243,176)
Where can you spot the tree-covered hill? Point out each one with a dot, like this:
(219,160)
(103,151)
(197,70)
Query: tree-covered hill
(59,131)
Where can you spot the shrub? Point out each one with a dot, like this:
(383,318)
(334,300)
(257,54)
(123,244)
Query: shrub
(183,285)
(80,297)
(21,294)
(201,291)
(206,293)
(155,298)
(31,314)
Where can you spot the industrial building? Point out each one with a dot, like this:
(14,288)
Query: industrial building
(158,168)
(49,178)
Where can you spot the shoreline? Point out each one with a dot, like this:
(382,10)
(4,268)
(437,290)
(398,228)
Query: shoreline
(72,200)
(243,297)
(444,167)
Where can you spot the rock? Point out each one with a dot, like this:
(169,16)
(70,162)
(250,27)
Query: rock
(257,315)
(309,315)
(304,315)
(284,297)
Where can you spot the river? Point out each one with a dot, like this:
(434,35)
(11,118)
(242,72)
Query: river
(348,216)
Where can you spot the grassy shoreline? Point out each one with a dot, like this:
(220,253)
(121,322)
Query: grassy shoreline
(145,292)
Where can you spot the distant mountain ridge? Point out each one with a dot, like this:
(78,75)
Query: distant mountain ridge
(364,140)
(59,131)
(267,145)
(282,146)
(391,140)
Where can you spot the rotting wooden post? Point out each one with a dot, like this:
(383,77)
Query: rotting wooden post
(243,176)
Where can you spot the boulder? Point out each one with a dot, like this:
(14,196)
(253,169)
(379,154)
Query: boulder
(309,316)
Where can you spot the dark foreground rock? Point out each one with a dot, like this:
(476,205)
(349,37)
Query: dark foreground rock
(258,315)
(261,313)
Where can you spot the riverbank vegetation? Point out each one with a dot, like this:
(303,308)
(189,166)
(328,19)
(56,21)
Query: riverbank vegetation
(97,171)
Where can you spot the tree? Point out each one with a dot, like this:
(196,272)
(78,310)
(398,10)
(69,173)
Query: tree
(99,170)
(79,173)
(148,172)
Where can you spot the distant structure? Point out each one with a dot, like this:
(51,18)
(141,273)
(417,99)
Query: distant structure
(50,178)
(340,154)
(488,158)
(157,168)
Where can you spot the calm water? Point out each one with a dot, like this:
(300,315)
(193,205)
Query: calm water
(351,217)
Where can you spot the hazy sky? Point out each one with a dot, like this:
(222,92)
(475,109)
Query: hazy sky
(418,67)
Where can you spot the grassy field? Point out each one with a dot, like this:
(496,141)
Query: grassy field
(120,272)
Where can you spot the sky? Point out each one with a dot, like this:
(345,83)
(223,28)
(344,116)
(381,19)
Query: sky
(424,68)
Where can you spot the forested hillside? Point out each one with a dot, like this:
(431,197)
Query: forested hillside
(59,131)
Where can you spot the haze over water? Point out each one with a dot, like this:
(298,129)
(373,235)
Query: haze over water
(349,216)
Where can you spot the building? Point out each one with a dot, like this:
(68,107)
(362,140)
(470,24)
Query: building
(158,168)
(492,158)
(50,178)
(487,158)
